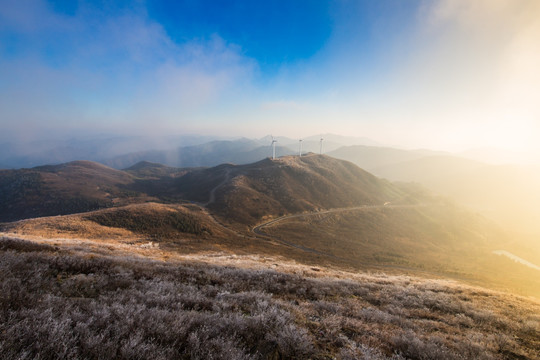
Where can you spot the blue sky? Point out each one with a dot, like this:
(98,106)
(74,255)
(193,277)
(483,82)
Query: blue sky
(443,74)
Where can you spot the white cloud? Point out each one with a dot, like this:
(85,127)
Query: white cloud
(106,69)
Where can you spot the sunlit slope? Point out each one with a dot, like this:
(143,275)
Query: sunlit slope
(509,194)
(370,157)
(438,239)
(292,184)
(168,226)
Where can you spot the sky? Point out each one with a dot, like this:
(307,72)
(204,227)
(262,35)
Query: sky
(439,74)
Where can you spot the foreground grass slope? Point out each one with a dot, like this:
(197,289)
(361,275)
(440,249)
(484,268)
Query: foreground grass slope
(72,303)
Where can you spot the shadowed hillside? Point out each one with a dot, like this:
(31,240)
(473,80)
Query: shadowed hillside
(240,193)
(246,193)
(62,189)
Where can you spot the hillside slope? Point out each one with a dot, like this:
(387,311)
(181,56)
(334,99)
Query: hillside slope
(75,303)
(509,194)
(239,193)
(291,184)
(62,189)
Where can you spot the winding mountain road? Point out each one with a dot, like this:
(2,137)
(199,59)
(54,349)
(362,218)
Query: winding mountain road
(212,197)
(258,229)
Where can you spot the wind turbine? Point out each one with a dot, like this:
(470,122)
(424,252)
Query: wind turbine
(300,148)
(320,150)
(274,141)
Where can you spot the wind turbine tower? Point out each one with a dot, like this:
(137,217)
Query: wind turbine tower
(300,148)
(320,149)
(274,141)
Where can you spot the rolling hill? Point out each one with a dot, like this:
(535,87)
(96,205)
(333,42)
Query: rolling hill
(247,193)
(239,193)
(62,189)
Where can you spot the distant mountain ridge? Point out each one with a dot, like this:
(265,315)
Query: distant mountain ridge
(122,151)
(31,153)
(242,151)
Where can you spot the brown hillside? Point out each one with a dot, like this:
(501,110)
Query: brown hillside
(62,189)
(290,184)
(177,225)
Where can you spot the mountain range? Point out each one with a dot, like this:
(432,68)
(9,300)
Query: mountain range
(508,194)
(314,209)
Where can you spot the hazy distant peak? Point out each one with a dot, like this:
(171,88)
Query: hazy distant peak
(146,164)
(74,165)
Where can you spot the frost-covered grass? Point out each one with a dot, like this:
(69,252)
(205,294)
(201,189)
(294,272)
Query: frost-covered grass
(59,304)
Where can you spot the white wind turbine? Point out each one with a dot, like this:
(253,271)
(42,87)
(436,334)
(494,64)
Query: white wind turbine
(300,148)
(274,141)
(320,149)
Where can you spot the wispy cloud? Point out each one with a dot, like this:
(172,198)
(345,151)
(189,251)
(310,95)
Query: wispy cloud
(444,74)
(102,67)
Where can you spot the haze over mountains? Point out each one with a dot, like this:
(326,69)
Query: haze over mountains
(369,221)
(506,193)
(123,151)
(147,212)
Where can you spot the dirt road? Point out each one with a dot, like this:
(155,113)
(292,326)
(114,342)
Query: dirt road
(212,197)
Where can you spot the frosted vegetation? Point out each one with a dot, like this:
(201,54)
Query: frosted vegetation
(74,304)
